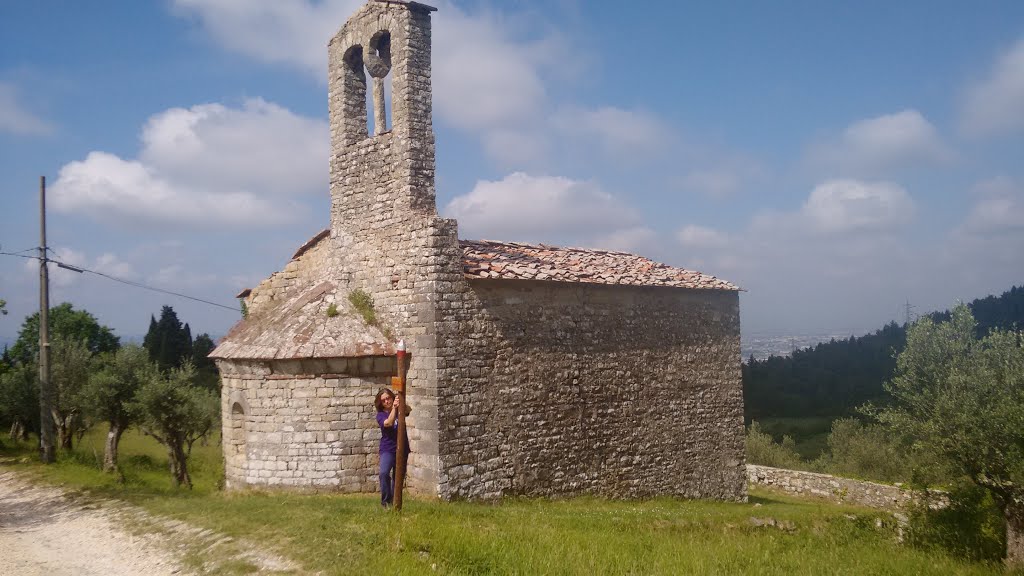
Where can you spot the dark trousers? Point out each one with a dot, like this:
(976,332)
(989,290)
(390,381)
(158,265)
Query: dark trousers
(387,478)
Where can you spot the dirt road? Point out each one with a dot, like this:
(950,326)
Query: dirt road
(46,531)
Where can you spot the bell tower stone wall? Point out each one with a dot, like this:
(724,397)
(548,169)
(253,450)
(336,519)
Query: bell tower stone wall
(388,238)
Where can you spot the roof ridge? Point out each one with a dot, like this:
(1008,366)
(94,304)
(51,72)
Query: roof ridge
(311,242)
(522,261)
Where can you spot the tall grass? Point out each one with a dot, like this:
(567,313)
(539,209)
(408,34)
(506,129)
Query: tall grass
(351,534)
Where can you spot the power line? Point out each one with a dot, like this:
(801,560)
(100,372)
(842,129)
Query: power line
(122,280)
(154,289)
(30,257)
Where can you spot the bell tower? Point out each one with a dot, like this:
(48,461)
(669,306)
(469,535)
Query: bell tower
(386,44)
(388,239)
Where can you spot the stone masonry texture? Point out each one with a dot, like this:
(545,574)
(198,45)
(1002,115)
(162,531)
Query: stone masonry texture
(838,489)
(519,386)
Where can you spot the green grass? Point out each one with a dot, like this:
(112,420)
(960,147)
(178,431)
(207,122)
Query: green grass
(351,534)
(143,462)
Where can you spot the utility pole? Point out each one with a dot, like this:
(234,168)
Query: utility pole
(907,312)
(46,444)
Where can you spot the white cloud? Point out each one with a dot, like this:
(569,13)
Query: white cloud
(841,250)
(693,236)
(14,118)
(259,147)
(617,131)
(987,248)
(107,263)
(490,71)
(290,33)
(846,259)
(840,206)
(517,147)
(1000,208)
(107,187)
(62,277)
(993,106)
(207,165)
(880,144)
(634,239)
(538,208)
(712,169)
(475,60)
(482,77)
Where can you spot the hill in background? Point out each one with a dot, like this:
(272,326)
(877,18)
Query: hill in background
(833,378)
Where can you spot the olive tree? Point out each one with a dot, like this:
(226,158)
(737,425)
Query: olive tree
(962,396)
(108,394)
(176,412)
(71,363)
(19,400)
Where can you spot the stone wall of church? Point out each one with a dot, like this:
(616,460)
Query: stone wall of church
(302,423)
(552,389)
(310,267)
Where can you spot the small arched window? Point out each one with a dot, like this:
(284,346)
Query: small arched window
(353,95)
(236,441)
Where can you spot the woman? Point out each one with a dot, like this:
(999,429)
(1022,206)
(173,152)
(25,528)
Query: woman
(388,405)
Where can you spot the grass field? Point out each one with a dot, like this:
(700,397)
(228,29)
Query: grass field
(351,534)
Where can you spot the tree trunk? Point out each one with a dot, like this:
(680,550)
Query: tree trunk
(64,435)
(1014,513)
(110,448)
(16,430)
(179,468)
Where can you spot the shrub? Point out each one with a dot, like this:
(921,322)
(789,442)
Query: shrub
(763,450)
(363,303)
(864,451)
(971,527)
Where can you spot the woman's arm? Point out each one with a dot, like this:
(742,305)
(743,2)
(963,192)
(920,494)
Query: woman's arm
(390,421)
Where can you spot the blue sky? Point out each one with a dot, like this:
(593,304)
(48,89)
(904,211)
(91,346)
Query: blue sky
(833,159)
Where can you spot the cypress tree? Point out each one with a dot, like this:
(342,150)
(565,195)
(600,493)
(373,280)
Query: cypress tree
(168,342)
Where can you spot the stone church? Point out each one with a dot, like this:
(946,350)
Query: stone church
(536,370)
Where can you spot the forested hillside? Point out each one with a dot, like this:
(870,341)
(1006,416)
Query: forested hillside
(833,378)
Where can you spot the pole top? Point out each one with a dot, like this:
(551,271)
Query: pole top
(401,346)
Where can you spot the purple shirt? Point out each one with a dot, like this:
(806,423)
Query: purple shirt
(389,435)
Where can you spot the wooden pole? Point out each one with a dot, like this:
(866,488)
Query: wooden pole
(401,458)
(46,443)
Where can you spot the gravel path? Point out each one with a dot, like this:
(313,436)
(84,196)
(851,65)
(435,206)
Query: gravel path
(46,531)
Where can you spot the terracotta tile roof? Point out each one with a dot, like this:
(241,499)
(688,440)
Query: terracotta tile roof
(298,327)
(521,261)
(518,261)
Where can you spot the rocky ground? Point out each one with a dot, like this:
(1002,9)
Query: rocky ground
(54,532)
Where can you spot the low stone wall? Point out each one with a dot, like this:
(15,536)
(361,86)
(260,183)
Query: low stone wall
(834,488)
